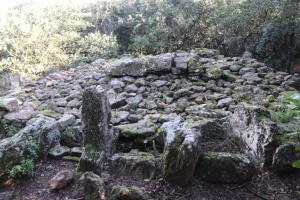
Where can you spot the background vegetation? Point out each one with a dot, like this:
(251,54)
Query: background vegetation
(34,37)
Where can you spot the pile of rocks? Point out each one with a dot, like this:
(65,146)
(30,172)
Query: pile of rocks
(163,108)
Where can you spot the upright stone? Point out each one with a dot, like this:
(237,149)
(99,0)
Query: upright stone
(252,125)
(98,136)
(180,153)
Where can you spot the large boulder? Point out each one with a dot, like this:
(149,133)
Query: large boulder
(141,66)
(126,67)
(251,124)
(223,167)
(43,131)
(99,137)
(159,64)
(181,151)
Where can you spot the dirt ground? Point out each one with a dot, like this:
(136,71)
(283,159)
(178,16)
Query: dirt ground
(267,185)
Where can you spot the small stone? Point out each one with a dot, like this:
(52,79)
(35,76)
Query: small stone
(92,186)
(131,88)
(128,193)
(182,93)
(117,84)
(61,180)
(59,151)
(162,106)
(225,102)
(235,68)
(158,83)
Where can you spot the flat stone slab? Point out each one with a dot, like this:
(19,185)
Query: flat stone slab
(220,167)
(134,163)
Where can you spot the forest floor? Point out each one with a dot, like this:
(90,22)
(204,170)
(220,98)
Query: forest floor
(266,185)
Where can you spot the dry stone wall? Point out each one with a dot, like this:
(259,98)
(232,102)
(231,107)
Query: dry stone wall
(211,94)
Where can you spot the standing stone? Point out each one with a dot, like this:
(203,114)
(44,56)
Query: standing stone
(98,136)
(251,124)
(180,153)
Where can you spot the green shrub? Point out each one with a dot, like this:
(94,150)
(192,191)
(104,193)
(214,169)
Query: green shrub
(22,170)
(31,150)
(34,38)
(8,131)
(296,164)
(282,116)
(25,168)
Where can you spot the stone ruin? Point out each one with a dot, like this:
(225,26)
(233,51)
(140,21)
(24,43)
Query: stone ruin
(171,114)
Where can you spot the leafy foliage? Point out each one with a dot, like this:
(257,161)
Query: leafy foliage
(26,166)
(22,170)
(296,164)
(283,115)
(36,37)
(8,131)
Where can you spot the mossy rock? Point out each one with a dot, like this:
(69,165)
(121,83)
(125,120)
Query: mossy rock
(71,158)
(49,113)
(137,130)
(134,163)
(241,96)
(221,167)
(127,193)
(195,67)
(229,77)
(270,76)
(214,72)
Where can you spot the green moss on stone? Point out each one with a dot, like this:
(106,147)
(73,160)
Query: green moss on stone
(130,131)
(2,107)
(210,155)
(118,191)
(214,72)
(241,96)
(193,65)
(140,156)
(270,76)
(69,132)
(49,112)
(271,98)
(229,77)
(71,158)
(116,115)
(89,151)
